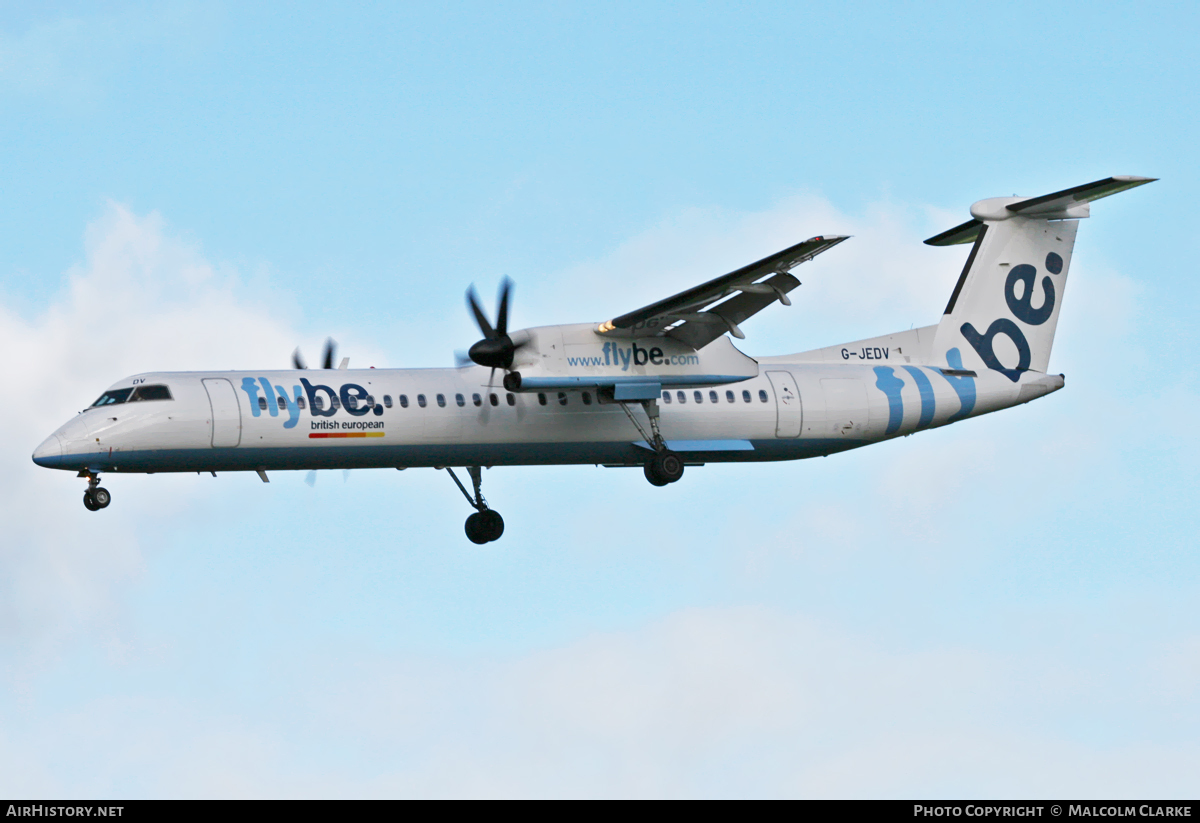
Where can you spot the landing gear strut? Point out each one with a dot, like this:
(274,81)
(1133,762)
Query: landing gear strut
(485,525)
(96,497)
(664,466)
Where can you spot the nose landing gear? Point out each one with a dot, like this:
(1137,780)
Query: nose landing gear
(96,497)
(485,525)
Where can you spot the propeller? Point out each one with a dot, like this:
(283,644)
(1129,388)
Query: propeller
(327,357)
(497,348)
(311,477)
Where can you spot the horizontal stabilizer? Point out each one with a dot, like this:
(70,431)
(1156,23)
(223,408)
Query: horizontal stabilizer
(1068,204)
(1060,201)
(965,233)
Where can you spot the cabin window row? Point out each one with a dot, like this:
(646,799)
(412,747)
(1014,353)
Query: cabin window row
(714,397)
(492,398)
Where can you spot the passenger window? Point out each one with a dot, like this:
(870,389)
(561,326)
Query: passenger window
(300,401)
(587,398)
(262,403)
(370,402)
(387,401)
(333,401)
(318,403)
(681,397)
(441,398)
(745,396)
(111,398)
(698,396)
(150,393)
(476,399)
(404,401)
(421,400)
(511,398)
(667,397)
(541,398)
(281,402)
(460,400)
(712,397)
(562,398)
(493,399)
(729,397)
(762,395)
(352,402)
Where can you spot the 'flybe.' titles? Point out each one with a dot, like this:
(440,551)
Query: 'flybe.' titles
(322,401)
(614,355)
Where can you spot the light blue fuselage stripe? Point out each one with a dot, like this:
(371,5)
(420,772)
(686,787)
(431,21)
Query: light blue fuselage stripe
(928,401)
(963,386)
(887,382)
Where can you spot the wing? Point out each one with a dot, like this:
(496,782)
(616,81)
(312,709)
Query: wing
(691,317)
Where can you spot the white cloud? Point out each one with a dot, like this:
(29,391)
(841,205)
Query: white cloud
(706,702)
(142,300)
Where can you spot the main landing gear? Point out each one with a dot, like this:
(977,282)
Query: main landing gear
(485,525)
(664,466)
(96,497)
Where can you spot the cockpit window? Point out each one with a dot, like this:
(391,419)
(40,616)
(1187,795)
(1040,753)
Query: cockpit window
(150,393)
(111,398)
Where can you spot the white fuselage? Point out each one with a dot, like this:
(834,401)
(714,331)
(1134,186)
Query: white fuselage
(230,421)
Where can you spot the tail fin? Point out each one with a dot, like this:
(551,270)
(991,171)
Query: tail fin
(1005,306)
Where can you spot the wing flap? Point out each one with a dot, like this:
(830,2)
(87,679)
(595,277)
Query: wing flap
(732,312)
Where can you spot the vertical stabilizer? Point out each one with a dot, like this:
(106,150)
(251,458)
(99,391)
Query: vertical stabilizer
(1005,306)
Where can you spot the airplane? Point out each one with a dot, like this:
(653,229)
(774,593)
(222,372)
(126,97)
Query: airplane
(662,387)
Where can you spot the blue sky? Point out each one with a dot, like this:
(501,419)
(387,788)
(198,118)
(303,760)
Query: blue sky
(1004,607)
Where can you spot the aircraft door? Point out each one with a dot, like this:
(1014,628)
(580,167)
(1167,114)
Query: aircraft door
(789,410)
(226,416)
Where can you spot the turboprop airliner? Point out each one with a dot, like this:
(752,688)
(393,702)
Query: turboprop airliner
(662,387)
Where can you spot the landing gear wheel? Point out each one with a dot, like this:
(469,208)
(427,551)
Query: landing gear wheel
(484,526)
(493,524)
(475,529)
(663,468)
(89,502)
(101,497)
(652,475)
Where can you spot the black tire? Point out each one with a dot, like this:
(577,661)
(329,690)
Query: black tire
(670,466)
(652,473)
(101,497)
(476,529)
(493,524)
(88,502)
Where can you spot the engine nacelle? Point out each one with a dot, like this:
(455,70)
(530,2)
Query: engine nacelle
(561,358)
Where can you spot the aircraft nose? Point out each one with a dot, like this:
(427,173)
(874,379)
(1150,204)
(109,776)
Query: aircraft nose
(48,453)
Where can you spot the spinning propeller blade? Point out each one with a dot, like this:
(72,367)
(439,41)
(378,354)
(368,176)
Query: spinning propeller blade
(327,359)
